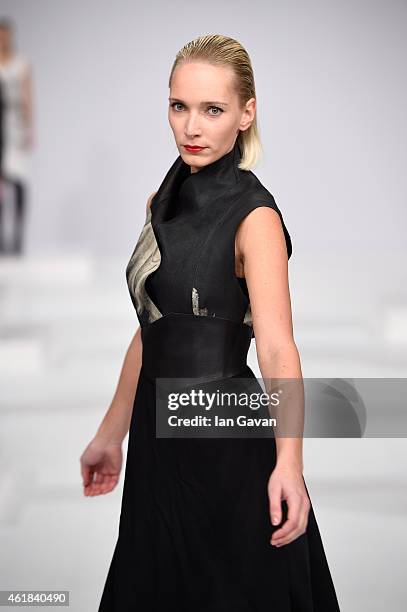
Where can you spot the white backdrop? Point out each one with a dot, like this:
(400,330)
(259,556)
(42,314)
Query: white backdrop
(331,91)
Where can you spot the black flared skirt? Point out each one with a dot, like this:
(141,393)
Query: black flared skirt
(195,528)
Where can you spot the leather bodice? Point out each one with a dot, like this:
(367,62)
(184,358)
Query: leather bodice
(184,260)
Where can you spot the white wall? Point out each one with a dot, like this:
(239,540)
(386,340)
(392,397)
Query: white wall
(331,100)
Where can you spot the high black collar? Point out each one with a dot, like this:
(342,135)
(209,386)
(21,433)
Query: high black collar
(183,190)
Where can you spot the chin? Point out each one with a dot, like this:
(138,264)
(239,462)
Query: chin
(194,160)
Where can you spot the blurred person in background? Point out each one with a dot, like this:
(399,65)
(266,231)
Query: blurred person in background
(17,132)
(1,164)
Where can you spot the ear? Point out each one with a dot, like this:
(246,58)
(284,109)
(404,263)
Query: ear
(248,115)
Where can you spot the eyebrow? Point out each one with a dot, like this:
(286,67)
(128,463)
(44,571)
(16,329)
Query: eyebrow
(207,102)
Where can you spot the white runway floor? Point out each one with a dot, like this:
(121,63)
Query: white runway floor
(65,324)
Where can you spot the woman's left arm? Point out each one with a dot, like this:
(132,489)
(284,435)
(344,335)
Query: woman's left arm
(261,245)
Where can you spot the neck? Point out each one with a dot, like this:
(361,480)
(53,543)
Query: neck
(183,188)
(195,169)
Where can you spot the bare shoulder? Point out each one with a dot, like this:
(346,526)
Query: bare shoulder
(259,226)
(150,199)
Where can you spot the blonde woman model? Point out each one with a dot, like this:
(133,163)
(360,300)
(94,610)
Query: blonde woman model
(208,524)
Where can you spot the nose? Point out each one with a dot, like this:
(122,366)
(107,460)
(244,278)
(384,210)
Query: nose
(192,126)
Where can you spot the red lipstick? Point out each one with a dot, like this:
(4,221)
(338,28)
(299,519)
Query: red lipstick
(193,149)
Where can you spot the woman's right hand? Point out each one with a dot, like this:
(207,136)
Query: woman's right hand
(101,463)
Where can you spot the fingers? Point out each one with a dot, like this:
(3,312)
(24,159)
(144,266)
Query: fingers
(86,474)
(297,520)
(101,484)
(275,504)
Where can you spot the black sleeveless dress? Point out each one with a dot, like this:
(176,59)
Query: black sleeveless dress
(195,528)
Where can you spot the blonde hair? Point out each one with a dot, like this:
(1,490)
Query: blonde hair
(224,51)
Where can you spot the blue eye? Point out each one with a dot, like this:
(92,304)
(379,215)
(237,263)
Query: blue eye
(174,104)
(217,108)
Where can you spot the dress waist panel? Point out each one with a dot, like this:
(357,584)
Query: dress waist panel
(192,346)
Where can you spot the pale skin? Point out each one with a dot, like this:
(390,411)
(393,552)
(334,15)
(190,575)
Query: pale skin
(260,257)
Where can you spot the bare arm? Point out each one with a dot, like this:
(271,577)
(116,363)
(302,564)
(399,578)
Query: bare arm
(260,244)
(116,422)
(262,248)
